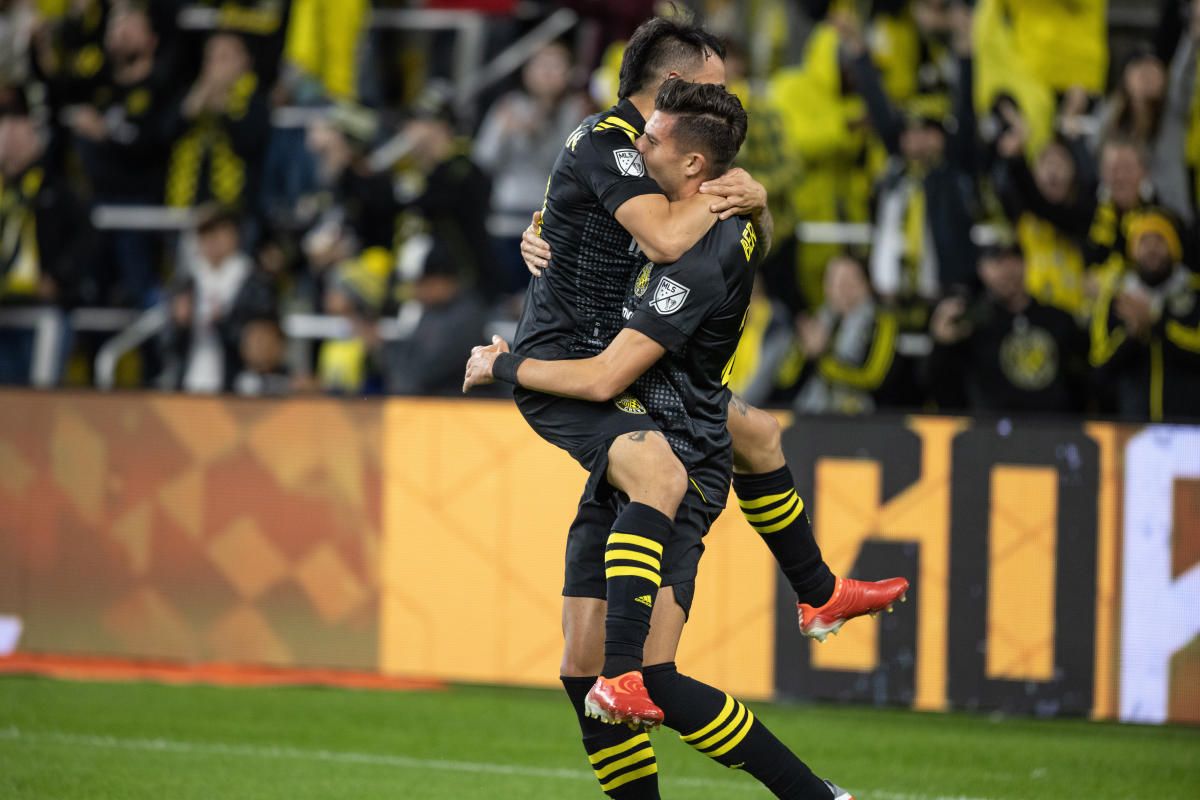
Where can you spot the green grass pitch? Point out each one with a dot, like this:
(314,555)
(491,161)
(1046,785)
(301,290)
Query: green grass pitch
(62,740)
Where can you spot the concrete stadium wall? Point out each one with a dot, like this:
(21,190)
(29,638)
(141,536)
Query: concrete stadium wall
(1056,569)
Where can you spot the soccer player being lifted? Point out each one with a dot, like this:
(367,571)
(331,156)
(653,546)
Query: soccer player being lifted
(682,325)
(604,218)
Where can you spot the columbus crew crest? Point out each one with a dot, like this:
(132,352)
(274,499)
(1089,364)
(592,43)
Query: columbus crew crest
(630,162)
(643,280)
(669,296)
(629,404)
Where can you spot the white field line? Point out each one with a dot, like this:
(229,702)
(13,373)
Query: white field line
(383,760)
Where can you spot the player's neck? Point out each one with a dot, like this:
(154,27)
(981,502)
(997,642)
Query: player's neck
(644,103)
(689,188)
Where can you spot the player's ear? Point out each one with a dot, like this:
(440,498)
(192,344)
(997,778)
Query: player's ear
(696,165)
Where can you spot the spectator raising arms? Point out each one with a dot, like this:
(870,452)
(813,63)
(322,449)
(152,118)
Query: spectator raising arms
(1146,328)
(922,242)
(1051,207)
(221,132)
(1151,107)
(518,142)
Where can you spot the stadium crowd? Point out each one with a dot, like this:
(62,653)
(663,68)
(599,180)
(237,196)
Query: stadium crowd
(985,207)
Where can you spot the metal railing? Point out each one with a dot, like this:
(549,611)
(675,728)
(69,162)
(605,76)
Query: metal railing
(295,326)
(49,325)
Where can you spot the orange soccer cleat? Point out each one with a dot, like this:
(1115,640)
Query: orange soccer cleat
(838,792)
(850,599)
(623,699)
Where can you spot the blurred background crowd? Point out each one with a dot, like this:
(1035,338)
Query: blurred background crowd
(985,207)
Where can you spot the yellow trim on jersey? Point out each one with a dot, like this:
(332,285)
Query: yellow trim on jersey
(634,572)
(640,541)
(871,374)
(1104,342)
(601,126)
(1182,336)
(620,123)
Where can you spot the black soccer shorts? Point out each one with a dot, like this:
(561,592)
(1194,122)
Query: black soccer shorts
(584,429)
(708,489)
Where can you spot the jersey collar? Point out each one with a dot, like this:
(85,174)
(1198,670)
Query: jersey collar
(628,112)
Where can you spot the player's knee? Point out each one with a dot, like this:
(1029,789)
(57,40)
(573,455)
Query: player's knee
(757,442)
(581,659)
(649,472)
(578,665)
(666,478)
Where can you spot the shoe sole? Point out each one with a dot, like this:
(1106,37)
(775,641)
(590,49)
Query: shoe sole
(820,632)
(591,709)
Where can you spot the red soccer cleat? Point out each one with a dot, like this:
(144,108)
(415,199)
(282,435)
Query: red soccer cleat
(623,699)
(850,599)
(838,792)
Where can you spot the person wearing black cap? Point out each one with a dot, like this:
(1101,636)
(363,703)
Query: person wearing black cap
(1006,352)
(1146,328)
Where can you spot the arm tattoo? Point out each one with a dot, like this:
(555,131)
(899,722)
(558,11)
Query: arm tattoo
(739,405)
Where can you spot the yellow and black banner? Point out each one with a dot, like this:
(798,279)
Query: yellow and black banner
(1055,569)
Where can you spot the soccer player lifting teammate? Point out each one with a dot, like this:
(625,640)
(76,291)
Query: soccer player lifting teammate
(682,325)
(597,198)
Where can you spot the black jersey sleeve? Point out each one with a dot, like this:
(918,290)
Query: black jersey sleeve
(610,165)
(680,298)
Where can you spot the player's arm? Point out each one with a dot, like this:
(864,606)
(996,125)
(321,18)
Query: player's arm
(597,379)
(745,196)
(764,223)
(665,230)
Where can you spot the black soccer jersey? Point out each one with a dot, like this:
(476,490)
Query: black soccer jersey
(695,308)
(574,309)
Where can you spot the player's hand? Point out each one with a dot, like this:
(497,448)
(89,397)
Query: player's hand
(737,193)
(534,249)
(479,365)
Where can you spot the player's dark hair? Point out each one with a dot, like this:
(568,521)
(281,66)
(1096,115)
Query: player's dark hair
(661,45)
(708,120)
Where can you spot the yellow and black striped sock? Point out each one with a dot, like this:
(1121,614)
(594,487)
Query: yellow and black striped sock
(633,573)
(772,506)
(725,730)
(622,760)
